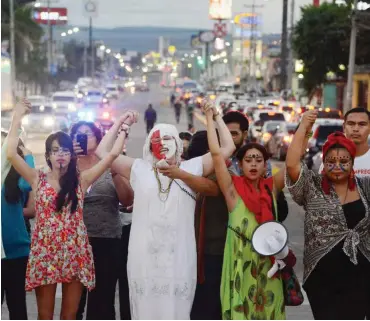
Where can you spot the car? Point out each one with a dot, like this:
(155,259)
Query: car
(94,98)
(280,140)
(102,116)
(329,113)
(65,103)
(321,130)
(37,100)
(142,86)
(44,119)
(268,130)
(113,90)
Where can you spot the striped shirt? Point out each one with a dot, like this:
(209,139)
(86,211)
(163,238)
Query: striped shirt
(325,225)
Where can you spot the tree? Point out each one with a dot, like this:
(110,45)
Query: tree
(321,40)
(28,53)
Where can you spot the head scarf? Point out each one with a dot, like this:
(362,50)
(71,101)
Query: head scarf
(349,145)
(164,129)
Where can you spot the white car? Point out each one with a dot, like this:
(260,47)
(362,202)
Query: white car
(64,102)
(43,119)
(95,98)
(37,100)
(113,90)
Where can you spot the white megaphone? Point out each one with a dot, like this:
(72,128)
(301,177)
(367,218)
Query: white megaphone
(271,239)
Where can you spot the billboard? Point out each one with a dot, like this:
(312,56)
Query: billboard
(58,16)
(246,20)
(220,9)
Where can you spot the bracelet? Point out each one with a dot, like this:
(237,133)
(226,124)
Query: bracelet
(309,135)
(215,116)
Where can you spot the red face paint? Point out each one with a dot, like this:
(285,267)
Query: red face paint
(156,144)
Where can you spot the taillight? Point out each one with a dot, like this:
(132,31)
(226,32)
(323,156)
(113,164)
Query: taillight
(106,115)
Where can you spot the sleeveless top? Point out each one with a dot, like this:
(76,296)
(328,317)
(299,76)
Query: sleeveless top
(60,249)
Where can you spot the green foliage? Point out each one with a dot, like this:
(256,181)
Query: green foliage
(321,40)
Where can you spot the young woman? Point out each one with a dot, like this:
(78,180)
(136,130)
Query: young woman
(103,223)
(246,291)
(60,250)
(162,253)
(15,237)
(337,227)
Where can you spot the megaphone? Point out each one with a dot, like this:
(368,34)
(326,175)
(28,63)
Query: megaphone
(271,239)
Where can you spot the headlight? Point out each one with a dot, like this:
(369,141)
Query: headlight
(55,105)
(25,121)
(71,107)
(49,121)
(90,116)
(81,114)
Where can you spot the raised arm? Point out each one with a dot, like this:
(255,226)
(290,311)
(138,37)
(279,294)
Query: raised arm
(122,164)
(293,159)
(89,176)
(227,143)
(223,176)
(20,165)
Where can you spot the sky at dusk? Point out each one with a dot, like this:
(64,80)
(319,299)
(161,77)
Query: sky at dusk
(171,13)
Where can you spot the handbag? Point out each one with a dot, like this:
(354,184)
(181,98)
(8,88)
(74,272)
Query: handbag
(293,295)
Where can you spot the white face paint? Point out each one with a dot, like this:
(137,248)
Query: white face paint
(168,146)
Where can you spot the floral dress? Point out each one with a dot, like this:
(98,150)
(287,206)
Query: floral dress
(60,249)
(246,291)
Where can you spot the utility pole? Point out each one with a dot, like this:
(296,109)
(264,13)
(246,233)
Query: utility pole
(352,58)
(85,60)
(291,54)
(92,53)
(12,49)
(284,47)
(49,39)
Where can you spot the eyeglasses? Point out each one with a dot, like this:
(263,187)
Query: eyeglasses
(61,151)
(88,134)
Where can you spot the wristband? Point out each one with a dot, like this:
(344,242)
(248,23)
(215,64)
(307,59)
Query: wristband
(309,135)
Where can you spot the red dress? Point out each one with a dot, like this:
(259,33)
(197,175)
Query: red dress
(60,249)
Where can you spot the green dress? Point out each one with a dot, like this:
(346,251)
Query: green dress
(246,292)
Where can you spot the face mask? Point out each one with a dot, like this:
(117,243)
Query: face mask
(156,143)
(170,144)
(159,143)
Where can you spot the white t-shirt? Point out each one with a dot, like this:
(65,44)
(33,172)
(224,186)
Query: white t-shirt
(362,165)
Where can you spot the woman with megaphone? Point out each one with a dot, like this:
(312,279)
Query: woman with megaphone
(337,226)
(247,291)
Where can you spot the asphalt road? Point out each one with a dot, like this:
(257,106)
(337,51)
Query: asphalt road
(159,98)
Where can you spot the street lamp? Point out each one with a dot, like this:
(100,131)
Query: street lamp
(75,29)
(70,31)
(102,47)
(37,5)
(108,51)
(63,34)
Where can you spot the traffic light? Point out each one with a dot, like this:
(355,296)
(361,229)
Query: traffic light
(200,61)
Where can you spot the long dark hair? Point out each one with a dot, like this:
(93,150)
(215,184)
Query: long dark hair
(70,180)
(13,194)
